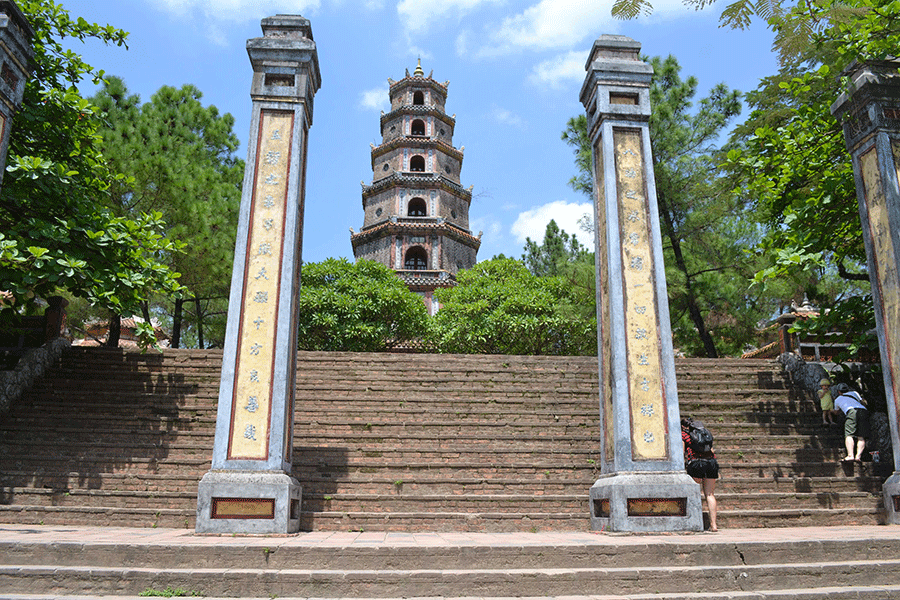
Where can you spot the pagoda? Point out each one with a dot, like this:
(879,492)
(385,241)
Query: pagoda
(416,212)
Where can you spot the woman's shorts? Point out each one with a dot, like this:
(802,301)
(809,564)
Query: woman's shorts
(857,423)
(703,468)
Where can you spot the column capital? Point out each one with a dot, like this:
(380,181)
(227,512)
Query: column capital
(285,62)
(871,102)
(617,84)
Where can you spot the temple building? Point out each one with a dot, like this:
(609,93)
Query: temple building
(416,212)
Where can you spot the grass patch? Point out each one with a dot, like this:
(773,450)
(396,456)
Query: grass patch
(170,592)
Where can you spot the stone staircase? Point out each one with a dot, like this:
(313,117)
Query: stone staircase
(44,563)
(394,442)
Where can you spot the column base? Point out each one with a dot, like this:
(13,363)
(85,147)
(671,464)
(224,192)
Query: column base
(891,492)
(248,502)
(646,502)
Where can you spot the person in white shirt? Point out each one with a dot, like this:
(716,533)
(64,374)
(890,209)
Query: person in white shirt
(856,421)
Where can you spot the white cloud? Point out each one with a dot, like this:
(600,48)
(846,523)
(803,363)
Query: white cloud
(505,117)
(491,229)
(532,223)
(217,36)
(417,15)
(550,24)
(560,70)
(420,54)
(375,99)
(463,43)
(235,10)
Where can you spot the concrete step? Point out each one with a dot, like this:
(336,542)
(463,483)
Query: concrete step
(239,579)
(407,498)
(801,517)
(144,482)
(743,482)
(98,516)
(140,548)
(821,593)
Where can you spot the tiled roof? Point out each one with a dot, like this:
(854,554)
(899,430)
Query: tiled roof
(409,80)
(419,109)
(408,226)
(409,179)
(415,142)
(426,279)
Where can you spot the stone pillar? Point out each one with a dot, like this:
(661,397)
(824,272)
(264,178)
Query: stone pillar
(249,488)
(871,116)
(16,55)
(643,486)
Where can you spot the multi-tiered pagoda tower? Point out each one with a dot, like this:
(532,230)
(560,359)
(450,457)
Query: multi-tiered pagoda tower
(416,212)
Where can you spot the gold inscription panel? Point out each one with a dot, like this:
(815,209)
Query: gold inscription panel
(243,508)
(657,507)
(646,394)
(883,247)
(601,508)
(252,402)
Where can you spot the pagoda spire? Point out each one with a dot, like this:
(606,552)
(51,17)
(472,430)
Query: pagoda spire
(416,212)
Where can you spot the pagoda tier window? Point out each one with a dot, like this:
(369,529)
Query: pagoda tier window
(416,208)
(416,259)
(418,127)
(417,164)
(418,98)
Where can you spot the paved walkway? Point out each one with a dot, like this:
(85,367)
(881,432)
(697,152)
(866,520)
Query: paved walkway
(331,539)
(186,539)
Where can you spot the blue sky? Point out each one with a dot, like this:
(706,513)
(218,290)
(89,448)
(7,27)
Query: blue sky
(515,70)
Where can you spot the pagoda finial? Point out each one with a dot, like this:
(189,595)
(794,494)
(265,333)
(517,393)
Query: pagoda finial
(419,72)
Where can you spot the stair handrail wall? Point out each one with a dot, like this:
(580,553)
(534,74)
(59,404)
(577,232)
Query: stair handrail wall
(31,367)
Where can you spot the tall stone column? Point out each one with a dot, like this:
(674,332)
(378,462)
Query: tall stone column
(16,56)
(249,488)
(643,486)
(871,116)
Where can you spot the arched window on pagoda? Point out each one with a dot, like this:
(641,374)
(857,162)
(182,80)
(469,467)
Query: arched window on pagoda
(416,208)
(416,259)
(417,164)
(418,98)
(418,127)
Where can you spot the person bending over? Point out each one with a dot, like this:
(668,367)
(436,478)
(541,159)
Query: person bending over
(703,468)
(856,421)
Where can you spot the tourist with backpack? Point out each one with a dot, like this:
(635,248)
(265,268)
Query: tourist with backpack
(700,462)
(856,420)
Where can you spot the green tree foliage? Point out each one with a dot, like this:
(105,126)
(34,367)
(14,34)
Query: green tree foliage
(790,156)
(356,307)
(796,24)
(695,215)
(558,251)
(180,156)
(712,309)
(576,135)
(737,14)
(499,307)
(57,228)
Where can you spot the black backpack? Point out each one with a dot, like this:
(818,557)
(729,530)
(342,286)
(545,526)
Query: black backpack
(701,438)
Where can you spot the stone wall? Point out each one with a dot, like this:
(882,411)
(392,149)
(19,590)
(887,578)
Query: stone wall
(31,366)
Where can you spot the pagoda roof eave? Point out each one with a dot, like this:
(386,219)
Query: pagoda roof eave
(413,80)
(418,110)
(414,180)
(418,141)
(410,227)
